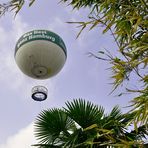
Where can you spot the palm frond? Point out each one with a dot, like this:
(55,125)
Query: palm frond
(45,146)
(84,113)
(114,121)
(52,126)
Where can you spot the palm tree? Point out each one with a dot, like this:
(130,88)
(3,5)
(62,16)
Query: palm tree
(85,125)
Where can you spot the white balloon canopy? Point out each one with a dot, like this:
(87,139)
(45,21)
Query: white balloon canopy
(40,54)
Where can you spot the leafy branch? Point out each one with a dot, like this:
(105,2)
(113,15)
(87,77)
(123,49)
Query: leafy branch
(13,5)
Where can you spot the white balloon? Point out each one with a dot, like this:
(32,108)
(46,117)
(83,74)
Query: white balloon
(40,54)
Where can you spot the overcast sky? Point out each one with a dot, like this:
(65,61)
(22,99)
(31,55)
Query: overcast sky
(81,77)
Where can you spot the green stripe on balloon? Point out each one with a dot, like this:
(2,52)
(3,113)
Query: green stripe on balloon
(41,35)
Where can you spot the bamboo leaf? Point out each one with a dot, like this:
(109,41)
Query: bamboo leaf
(94,24)
(32,1)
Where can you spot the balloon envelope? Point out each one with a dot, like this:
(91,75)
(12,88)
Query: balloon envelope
(40,54)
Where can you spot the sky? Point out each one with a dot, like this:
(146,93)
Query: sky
(81,77)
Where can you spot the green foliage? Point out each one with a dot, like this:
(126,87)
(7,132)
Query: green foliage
(128,23)
(57,130)
(84,114)
(13,5)
(140,108)
(85,125)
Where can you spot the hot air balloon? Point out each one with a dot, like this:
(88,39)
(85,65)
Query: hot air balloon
(40,54)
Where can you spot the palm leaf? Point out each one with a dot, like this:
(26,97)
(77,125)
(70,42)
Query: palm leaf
(52,126)
(84,113)
(115,121)
(45,146)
